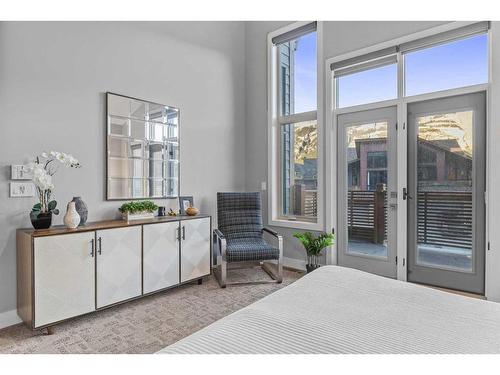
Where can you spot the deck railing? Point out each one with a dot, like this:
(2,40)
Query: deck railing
(444,218)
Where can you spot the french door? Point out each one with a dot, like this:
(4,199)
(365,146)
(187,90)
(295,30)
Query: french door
(446,185)
(444,193)
(367,190)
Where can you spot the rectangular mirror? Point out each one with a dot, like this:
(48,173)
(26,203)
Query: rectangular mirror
(142,149)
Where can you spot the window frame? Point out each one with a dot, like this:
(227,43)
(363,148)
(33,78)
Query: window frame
(276,121)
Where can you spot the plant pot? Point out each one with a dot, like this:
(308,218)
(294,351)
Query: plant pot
(311,267)
(138,216)
(41,221)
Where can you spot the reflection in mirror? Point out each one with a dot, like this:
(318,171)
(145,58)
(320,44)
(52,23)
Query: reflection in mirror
(142,149)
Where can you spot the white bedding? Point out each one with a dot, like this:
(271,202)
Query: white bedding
(341,310)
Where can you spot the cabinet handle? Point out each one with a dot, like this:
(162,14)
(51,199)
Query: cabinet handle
(183,232)
(178,231)
(100,245)
(92,247)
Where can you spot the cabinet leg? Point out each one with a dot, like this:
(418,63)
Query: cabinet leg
(200,281)
(50,331)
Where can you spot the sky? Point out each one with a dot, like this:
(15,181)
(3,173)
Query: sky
(305,74)
(457,64)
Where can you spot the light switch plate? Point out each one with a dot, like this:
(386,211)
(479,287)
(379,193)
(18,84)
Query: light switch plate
(19,172)
(21,189)
(263,186)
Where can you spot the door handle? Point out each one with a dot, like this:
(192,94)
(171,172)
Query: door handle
(92,247)
(406,195)
(183,232)
(100,245)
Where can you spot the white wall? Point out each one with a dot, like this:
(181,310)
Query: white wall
(53,79)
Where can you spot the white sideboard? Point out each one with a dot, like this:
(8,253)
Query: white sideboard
(63,273)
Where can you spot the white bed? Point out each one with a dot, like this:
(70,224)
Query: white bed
(341,310)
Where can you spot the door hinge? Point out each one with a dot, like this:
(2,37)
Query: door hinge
(404,125)
(489,248)
(396,259)
(333,230)
(396,126)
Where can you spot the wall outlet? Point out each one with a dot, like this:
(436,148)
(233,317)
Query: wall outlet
(263,186)
(22,189)
(19,172)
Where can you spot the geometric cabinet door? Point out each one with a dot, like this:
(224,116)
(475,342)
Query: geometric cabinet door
(64,277)
(161,256)
(195,248)
(119,264)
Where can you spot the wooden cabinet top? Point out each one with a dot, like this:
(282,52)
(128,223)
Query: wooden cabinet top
(106,224)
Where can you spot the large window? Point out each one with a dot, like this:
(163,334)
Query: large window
(297,120)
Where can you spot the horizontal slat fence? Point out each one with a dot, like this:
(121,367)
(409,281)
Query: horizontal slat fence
(361,214)
(445,219)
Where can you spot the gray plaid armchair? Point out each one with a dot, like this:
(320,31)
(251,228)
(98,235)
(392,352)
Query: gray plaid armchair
(240,237)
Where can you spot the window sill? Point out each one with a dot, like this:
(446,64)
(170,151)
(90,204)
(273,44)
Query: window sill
(296,224)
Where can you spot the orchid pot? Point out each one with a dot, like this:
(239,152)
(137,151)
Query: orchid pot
(43,168)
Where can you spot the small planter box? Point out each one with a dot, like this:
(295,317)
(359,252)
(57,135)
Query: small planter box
(138,216)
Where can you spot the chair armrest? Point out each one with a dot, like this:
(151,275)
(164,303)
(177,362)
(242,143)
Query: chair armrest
(271,231)
(219,234)
(221,243)
(278,237)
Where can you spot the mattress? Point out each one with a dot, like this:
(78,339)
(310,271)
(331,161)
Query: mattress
(342,310)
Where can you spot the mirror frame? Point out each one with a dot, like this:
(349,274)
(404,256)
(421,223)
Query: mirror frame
(107,137)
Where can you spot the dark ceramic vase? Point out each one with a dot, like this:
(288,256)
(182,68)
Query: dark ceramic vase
(81,208)
(41,221)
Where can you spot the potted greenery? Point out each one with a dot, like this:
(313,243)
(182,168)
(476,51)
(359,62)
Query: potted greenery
(137,210)
(314,246)
(42,169)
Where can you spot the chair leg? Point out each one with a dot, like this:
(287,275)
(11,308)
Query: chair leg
(275,274)
(220,273)
(280,270)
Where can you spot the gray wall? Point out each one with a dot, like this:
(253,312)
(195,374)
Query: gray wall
(53,78)
(338,38)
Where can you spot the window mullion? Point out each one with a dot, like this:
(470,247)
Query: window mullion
(298,117)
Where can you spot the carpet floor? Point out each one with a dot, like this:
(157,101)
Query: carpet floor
(148,324)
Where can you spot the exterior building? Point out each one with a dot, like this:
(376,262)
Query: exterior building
(442,165)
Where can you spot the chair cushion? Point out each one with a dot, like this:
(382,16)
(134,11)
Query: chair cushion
(245,249)
(239,215)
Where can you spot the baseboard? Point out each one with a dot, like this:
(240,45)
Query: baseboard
(297,264)
(9,318)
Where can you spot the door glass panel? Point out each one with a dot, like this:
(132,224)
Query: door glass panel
(444,190)
(366,159)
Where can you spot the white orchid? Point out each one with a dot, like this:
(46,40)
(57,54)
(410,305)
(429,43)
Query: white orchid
(42,169)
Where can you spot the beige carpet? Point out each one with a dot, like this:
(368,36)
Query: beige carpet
(146,325)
